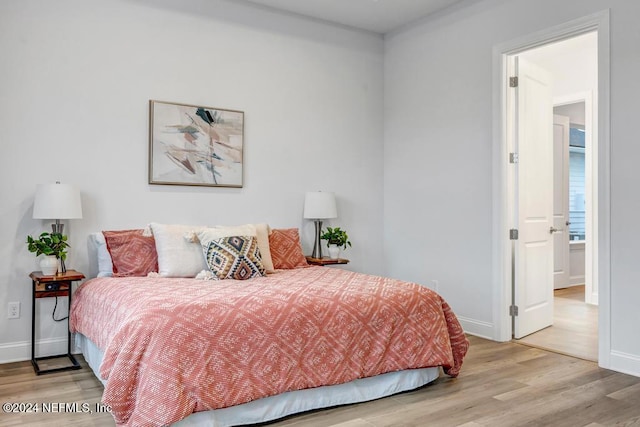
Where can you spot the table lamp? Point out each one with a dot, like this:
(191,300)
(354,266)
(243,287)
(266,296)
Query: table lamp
(57,201)
(319,205)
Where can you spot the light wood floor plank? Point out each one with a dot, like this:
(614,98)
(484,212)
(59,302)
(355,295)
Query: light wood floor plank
(501,384)
(575,326)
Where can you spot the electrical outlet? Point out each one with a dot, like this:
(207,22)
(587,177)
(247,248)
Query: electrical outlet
(14,310)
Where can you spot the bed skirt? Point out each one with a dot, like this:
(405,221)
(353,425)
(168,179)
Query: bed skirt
(293,402)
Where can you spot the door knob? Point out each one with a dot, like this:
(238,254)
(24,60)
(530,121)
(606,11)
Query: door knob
(553,230)
(568,223)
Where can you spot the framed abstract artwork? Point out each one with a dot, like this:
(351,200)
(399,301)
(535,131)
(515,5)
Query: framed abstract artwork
(195,145)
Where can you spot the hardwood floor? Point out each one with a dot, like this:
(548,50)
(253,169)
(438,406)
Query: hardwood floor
(575,326)
(501,384)
(19,384)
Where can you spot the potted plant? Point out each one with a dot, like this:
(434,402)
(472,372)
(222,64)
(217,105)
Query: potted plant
(53,246)
(336,239)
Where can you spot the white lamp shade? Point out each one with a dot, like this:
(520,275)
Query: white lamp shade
(320,205)
(57,201)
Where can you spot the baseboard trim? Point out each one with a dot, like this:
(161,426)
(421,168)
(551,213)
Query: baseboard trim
(477,328)
(21,350)
(576,280)
(625,363)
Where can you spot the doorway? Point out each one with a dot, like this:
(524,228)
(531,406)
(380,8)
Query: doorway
(571,67)
(574,330)
(509,261)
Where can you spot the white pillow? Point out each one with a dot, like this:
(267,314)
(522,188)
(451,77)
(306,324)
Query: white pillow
(177,256)
(105,265)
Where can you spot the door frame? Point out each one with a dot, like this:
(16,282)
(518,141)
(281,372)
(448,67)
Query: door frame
(502,185)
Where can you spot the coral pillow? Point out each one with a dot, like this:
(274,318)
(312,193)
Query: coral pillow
(132,254)
(286,251)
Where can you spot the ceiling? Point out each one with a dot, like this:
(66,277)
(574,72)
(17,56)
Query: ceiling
(379,16)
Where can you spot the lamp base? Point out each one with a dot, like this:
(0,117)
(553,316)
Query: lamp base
(57,227)
(317,247)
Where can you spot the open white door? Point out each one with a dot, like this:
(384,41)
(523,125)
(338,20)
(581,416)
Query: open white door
(561,270)
(533,286)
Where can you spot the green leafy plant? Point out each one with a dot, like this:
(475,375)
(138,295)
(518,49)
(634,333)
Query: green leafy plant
(49,244)
(336,236)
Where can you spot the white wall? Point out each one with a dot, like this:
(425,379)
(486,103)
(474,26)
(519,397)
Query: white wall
(75,82)
(437,185)
(438,154)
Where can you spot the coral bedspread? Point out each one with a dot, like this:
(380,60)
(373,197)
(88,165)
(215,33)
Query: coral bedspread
(177,346)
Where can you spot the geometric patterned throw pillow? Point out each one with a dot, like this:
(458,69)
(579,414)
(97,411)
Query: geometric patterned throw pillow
(236,257)
(132,253)
(286,251)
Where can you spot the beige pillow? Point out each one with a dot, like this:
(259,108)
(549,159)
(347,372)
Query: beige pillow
(209,234)
(177,256)
(262,235)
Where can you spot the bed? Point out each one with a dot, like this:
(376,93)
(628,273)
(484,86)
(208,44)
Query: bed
(187,351)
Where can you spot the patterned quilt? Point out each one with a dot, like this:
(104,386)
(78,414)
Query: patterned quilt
(177,346)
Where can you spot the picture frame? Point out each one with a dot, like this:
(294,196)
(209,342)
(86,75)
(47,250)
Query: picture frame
(195,145)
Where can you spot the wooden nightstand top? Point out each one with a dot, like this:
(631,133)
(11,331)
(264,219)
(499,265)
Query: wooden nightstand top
(326,261)
(70,275)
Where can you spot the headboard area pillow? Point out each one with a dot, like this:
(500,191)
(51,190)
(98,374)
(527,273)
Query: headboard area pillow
(233,257)
(260,231)
(286,250)
(132,253)
(98,251)
(262,234)
(177,256)
(178,250)
(217,232)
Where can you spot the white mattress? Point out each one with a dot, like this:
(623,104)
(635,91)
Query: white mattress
(274,407)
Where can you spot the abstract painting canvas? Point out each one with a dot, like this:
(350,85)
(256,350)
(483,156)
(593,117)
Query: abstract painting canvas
(195,145)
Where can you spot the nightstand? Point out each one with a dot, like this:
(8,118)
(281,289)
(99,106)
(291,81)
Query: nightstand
(52,286)
(326,261)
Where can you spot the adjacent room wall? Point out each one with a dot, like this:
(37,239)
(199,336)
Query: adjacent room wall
(438,154)
(75,84)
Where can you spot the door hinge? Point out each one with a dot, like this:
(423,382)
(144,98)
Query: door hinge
(513,234)
(514,157)
(513,310)
(513,81)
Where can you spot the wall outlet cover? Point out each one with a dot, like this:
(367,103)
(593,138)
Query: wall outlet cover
(14,310)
